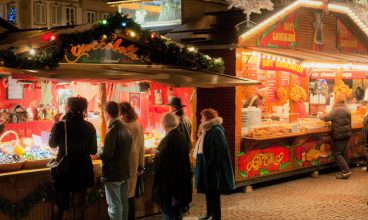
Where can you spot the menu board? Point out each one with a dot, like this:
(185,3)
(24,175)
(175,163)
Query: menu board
(285,79)
(272,87)
(15,90)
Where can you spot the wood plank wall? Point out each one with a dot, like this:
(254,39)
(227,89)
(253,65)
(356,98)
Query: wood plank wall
(306,31)
(221,99)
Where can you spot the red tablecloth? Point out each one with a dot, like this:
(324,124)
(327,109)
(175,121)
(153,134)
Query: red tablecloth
(26,129)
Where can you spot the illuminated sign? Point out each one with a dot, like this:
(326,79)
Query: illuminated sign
(270,64)
(332,74)
(281,35)
(102,52)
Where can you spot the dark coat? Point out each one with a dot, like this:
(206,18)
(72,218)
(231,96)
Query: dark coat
(214,171)
(365,131)
(340,116)
(185,127)
(82,142)
(116,152)
(172,170)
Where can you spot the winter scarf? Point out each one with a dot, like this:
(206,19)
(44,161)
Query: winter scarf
(202,130)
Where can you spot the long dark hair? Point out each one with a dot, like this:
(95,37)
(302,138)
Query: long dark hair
(127,112)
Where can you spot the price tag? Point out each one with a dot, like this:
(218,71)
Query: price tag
(295,128)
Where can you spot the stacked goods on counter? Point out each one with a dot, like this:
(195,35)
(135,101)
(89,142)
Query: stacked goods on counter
(342,89)
(277,129)
(313,125)
(297,93)
(269,131)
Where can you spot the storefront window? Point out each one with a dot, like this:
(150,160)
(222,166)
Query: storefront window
(154,13)
(12,15)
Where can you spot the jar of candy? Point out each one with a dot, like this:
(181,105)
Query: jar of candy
(158,97)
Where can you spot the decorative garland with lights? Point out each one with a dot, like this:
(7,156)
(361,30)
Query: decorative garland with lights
(42,194)
(153,47)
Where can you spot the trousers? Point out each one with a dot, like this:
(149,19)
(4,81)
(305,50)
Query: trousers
(340,151)
(117,199)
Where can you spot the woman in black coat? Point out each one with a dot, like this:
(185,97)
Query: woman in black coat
(81,143)
(214,172)
(172,186)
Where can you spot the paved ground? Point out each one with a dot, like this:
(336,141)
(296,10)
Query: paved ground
(323,197)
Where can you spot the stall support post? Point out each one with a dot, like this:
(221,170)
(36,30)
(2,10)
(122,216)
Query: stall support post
(293,117)
(103,100)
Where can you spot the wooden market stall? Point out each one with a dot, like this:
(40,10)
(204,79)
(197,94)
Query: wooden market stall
(105,61)
(312,53)
(303,54)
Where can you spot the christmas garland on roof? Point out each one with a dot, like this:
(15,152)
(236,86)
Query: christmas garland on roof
(154,48)
(43,194)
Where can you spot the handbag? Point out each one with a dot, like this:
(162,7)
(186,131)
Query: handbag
(60,169)
(139,188)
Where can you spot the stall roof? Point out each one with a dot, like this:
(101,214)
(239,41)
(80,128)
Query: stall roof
(358,28)
(125,72)
(315,56)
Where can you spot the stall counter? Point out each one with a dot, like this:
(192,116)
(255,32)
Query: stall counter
(265,158)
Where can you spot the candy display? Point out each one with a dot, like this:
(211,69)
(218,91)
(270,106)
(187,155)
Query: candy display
(36,153)
(6,158)
(151,140)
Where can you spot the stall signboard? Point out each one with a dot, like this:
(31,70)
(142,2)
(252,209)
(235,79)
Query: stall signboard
(113,52)
(278,65)
(261,162)
(247,64)
(272,86)
(283,34)
(346,41)
(313,151)
(331,74)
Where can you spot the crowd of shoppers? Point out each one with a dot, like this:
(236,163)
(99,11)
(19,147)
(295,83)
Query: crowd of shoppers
(122,158)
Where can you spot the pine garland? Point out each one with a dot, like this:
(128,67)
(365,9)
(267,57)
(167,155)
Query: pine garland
(153,48)
(43,194)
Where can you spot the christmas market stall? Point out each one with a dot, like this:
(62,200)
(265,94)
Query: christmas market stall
(303,54)
(113,59)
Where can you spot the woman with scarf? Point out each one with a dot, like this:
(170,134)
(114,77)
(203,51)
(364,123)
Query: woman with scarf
(214,172)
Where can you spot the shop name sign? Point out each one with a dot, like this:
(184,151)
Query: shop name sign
(102,52)
(346,41)
(332,75)
(275,65)
(280,35)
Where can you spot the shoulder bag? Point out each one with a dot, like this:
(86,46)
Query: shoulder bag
(60,169)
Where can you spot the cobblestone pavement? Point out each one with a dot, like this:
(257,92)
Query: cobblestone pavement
(323,197)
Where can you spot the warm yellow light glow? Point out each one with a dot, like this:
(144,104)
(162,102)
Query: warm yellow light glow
(304,3)
(191,49)
(345,66)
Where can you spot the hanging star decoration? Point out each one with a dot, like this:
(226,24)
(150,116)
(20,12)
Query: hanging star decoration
(251,6)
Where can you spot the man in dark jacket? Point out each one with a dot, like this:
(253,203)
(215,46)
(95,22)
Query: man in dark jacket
(172,186)
(185,127)
(115,163)
(340,116)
